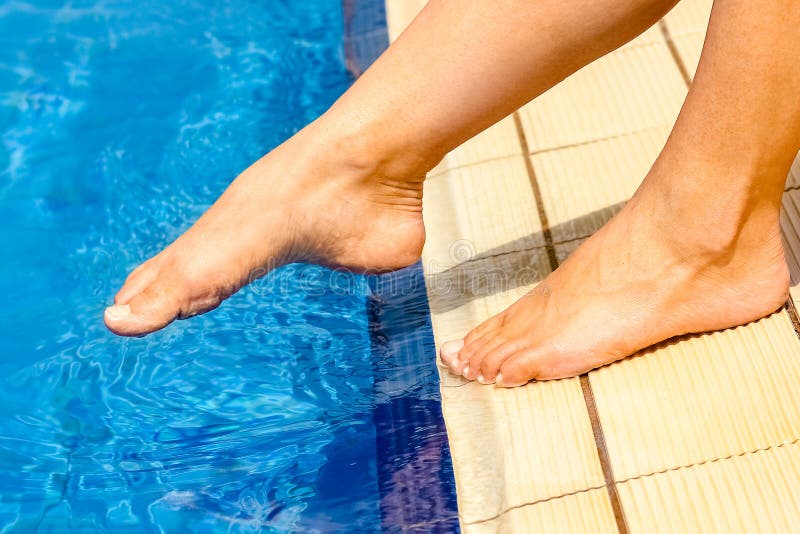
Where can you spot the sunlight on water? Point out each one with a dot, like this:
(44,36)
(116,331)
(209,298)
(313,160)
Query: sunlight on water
(121,122)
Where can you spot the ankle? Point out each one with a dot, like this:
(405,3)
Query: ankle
(370,150)
(709,230)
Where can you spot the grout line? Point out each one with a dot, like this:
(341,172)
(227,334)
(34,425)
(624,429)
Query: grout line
(601,139)
(791,309)
(602,452)
(713,460)
(791,188)
(448,168)
(532,503)
(787,443)
(675,54)
(588,396)
(537,194)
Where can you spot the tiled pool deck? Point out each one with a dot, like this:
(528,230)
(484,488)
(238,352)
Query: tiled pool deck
(700,433)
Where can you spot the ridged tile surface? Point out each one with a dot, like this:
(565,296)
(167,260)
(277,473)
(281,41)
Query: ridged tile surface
(496,142)
(629,90)
(580,513)
(582,186)
(517,446)
(461,206)
(699,398)
(755,492)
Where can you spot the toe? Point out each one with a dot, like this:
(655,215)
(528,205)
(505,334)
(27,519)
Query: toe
(150,310)
(449,351)
(137,281)
(518,369)
(475,362)
(491,362)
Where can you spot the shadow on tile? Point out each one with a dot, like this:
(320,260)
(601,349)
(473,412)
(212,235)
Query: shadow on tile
(497,270)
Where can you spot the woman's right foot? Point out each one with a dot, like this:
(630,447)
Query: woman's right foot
(658,269)
(308,200)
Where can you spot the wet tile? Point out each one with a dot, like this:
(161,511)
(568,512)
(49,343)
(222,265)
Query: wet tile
(507,444)
(510,445)
(583,512)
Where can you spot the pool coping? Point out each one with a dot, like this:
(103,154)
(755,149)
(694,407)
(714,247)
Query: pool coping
(640,434)
(425,503)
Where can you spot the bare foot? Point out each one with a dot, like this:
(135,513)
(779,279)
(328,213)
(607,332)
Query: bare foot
(646,276)
(309,200)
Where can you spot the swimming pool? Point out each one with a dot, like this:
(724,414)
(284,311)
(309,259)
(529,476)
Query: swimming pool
(308,402)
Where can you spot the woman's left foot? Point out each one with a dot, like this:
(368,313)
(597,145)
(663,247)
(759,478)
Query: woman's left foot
(646,276)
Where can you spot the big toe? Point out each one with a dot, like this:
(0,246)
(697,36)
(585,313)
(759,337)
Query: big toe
(449,352)
(137,281)
(151,310)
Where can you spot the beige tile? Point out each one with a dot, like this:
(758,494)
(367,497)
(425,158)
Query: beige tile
(689,47)
(687,24)
(479,210)
(756,492)
(515,446)
(583,512)
(400,13)
(630,90)
(507,444)
(651,35)
(498,141)
(790,225)
(583,185)
(689,16)
(700,398)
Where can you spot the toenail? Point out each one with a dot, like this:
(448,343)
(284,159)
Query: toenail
(481,380)
(451,349)
(498,379)
(118,311)
(465,372)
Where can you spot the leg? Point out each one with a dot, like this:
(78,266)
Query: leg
(698,247)
(351,182)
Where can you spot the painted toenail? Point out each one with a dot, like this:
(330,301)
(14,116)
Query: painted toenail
(451,349)
(498,381)
(119,311)
(481,380)
(465,372)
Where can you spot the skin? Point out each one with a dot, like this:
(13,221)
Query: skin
(656,270)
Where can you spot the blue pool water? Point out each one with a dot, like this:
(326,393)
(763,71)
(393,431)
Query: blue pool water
(306,403)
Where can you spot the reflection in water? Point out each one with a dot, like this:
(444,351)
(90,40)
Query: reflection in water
(415,473)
